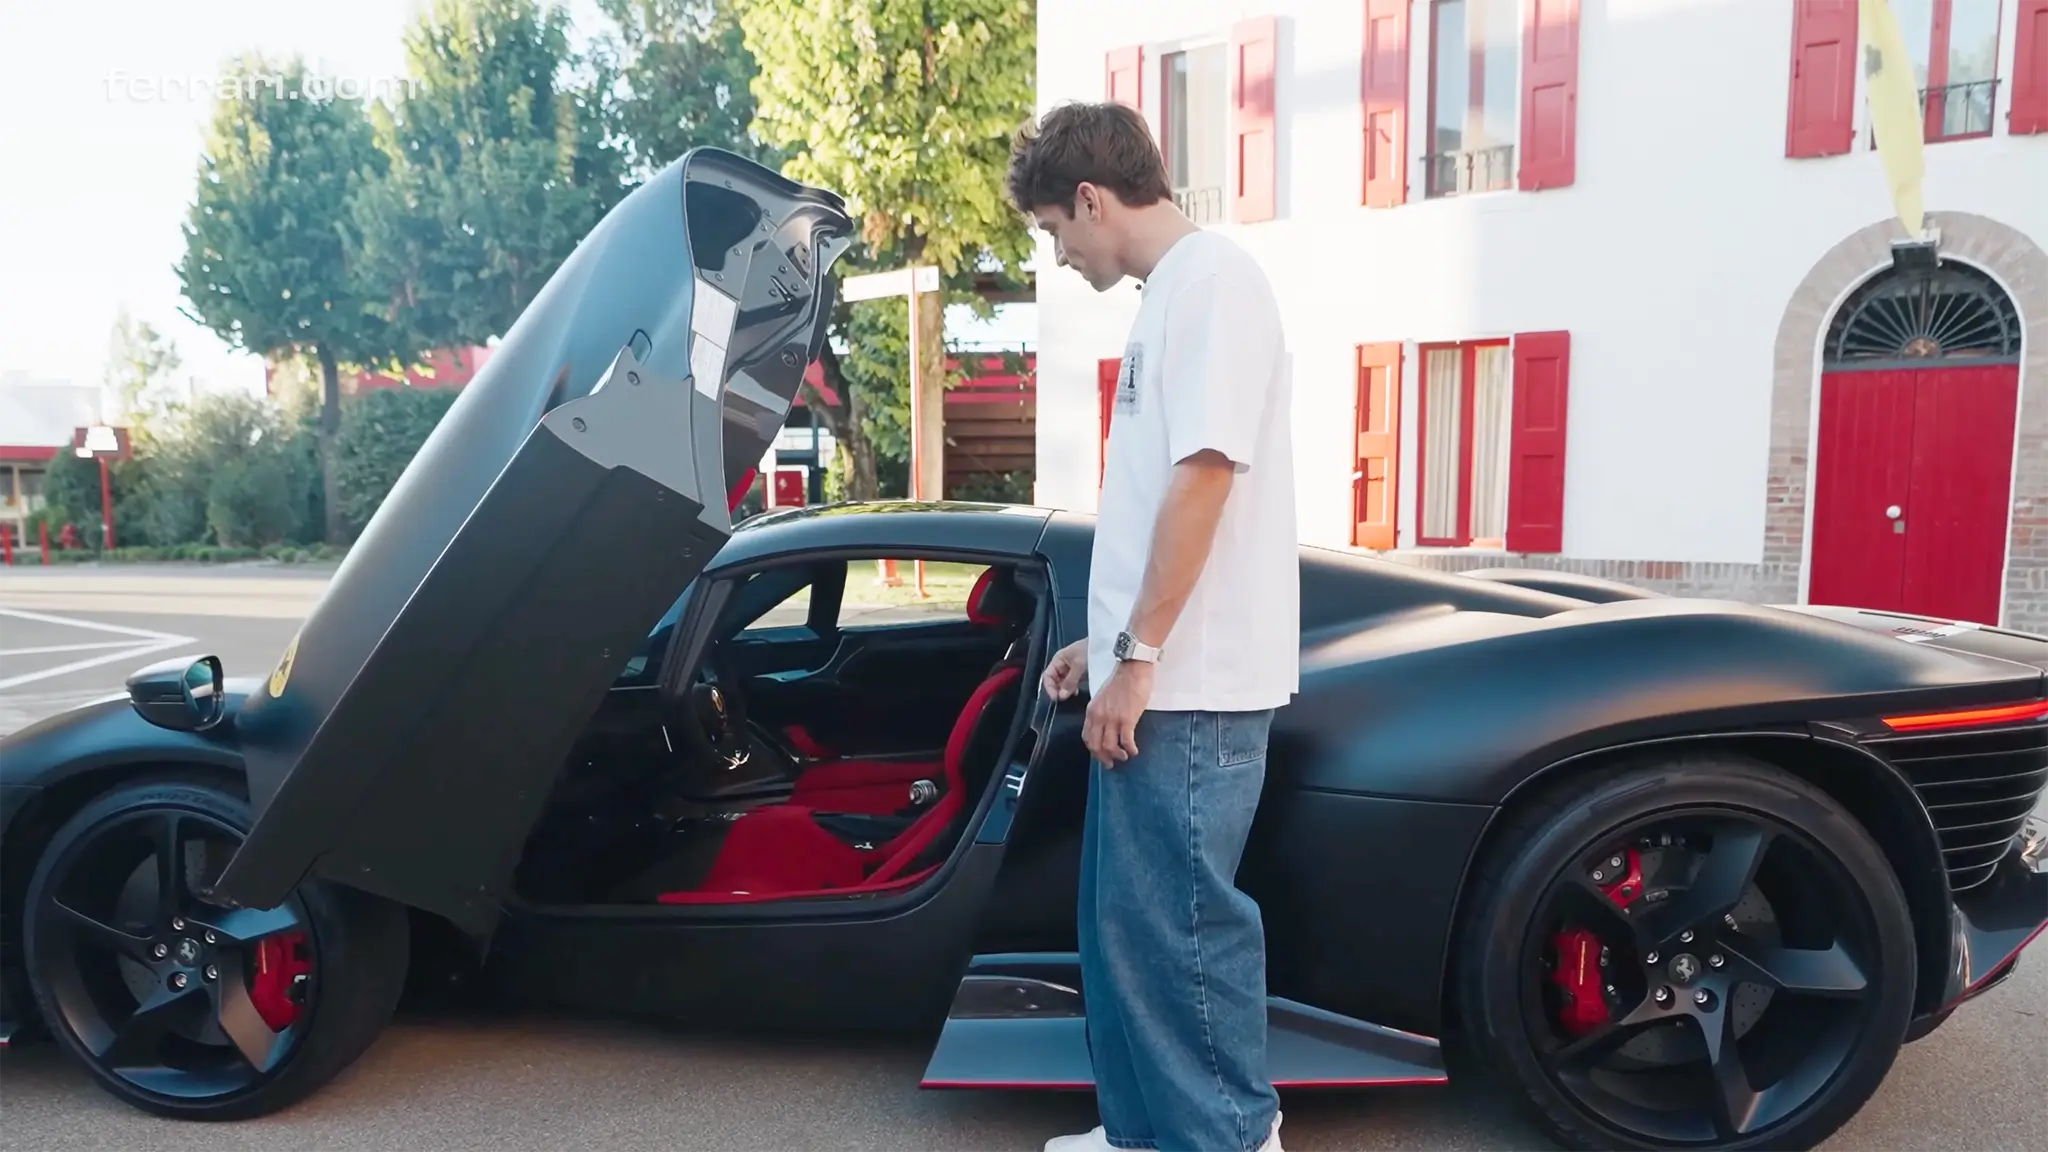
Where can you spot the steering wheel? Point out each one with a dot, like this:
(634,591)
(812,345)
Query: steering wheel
(716,714)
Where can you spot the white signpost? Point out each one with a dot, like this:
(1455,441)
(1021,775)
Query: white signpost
(911,282)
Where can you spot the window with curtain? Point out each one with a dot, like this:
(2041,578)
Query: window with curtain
(1195,128)
(1465,443)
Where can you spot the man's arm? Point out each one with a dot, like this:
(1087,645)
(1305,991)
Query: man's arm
(1181,539)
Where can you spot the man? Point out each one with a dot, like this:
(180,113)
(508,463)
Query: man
(1193,642)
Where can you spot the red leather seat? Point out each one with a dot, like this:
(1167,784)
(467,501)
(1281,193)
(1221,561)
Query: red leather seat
(779,850)
(881,785)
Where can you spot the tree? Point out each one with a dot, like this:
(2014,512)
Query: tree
(498,167)
(270,238)
(684,80)
(140,361)
(907,109)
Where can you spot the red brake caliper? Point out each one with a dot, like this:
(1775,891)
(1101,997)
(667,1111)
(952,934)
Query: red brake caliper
(1579,953)
(280,961)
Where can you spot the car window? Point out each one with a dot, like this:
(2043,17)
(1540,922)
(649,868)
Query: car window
(645,666)
(792,612)
(877,597)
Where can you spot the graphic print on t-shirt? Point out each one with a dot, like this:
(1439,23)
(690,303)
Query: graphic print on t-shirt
(1127,383)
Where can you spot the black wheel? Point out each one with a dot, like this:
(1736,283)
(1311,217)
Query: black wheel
(184,1007)
(1701,952)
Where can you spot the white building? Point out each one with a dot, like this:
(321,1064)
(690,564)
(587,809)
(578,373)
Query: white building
(1609,286)
(38,419)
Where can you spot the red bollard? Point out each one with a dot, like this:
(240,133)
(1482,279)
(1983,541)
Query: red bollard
(43,534)
(6,545)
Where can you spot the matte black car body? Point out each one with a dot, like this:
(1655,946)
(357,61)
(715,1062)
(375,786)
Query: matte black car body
(546,559)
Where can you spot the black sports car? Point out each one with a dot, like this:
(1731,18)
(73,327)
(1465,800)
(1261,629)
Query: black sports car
(1676,873)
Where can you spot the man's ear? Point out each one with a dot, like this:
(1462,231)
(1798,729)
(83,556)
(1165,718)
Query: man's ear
(1088,202)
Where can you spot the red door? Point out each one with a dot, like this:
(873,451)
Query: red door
(1960,500)
(1913,489)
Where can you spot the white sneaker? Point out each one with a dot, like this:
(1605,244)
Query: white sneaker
(1096,1140)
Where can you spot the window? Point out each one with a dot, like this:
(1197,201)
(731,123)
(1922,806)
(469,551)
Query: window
(1491,432)
(1465,433)
(793,612)
(1954,48)
(1194,126)
(1473,100)
(881,594)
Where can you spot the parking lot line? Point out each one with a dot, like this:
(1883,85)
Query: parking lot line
(144,642)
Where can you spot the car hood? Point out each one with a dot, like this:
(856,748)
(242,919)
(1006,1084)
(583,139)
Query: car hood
(1949,635)
(408,735)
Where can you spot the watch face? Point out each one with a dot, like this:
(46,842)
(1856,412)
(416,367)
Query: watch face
(1123,645)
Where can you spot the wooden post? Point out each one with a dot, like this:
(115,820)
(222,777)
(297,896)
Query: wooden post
(917,418)
(106,508)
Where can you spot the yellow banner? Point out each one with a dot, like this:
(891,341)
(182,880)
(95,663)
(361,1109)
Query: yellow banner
(1895,116)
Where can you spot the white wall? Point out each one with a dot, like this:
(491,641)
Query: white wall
(1670,259)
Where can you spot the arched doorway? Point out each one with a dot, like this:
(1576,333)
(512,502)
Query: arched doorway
(1913,466)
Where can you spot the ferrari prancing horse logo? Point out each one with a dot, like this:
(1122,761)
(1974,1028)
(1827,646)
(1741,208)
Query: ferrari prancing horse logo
(283,672)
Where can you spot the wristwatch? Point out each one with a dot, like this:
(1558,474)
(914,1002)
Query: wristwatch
(1128,648)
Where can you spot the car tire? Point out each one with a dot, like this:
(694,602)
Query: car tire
(358,944)
(1544,834)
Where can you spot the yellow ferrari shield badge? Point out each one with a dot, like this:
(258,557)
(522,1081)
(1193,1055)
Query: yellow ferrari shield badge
(283,671)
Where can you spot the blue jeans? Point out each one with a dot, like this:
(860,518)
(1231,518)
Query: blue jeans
(1173,956)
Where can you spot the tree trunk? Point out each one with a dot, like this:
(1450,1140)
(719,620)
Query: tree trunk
(330,434)
(848,423)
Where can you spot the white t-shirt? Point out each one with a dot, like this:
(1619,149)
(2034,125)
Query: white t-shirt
(1205,368)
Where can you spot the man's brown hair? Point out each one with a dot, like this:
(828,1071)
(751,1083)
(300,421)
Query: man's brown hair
(1105,144)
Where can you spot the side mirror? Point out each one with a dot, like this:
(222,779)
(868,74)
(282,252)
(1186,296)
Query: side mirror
(184,697)
(205,692)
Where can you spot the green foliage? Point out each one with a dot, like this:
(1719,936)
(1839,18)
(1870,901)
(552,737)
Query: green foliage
(229,474)
(140,361)
(249,500)
(876,365)
(907,109)
(271,260)
(381,431)
(684,80)
(498,166)
(996,487)
(71,487)
(268,238)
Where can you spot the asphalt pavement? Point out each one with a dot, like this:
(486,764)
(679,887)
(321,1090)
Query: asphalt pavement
(549,1082)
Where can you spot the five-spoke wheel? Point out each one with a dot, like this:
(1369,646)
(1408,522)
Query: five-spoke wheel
(177,1002)
(1702,953)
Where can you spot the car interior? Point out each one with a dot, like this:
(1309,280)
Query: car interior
(810,729)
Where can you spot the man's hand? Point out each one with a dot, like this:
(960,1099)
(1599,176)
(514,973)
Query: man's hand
(1067,671)
(1111,728)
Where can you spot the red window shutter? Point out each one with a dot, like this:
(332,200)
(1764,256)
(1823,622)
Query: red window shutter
(1536,442)
(1383,77)
(1254,54)
(1820,115)
(1550,93)
(2029,112)
(1106,372)
(1377,481)
(1122,71)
